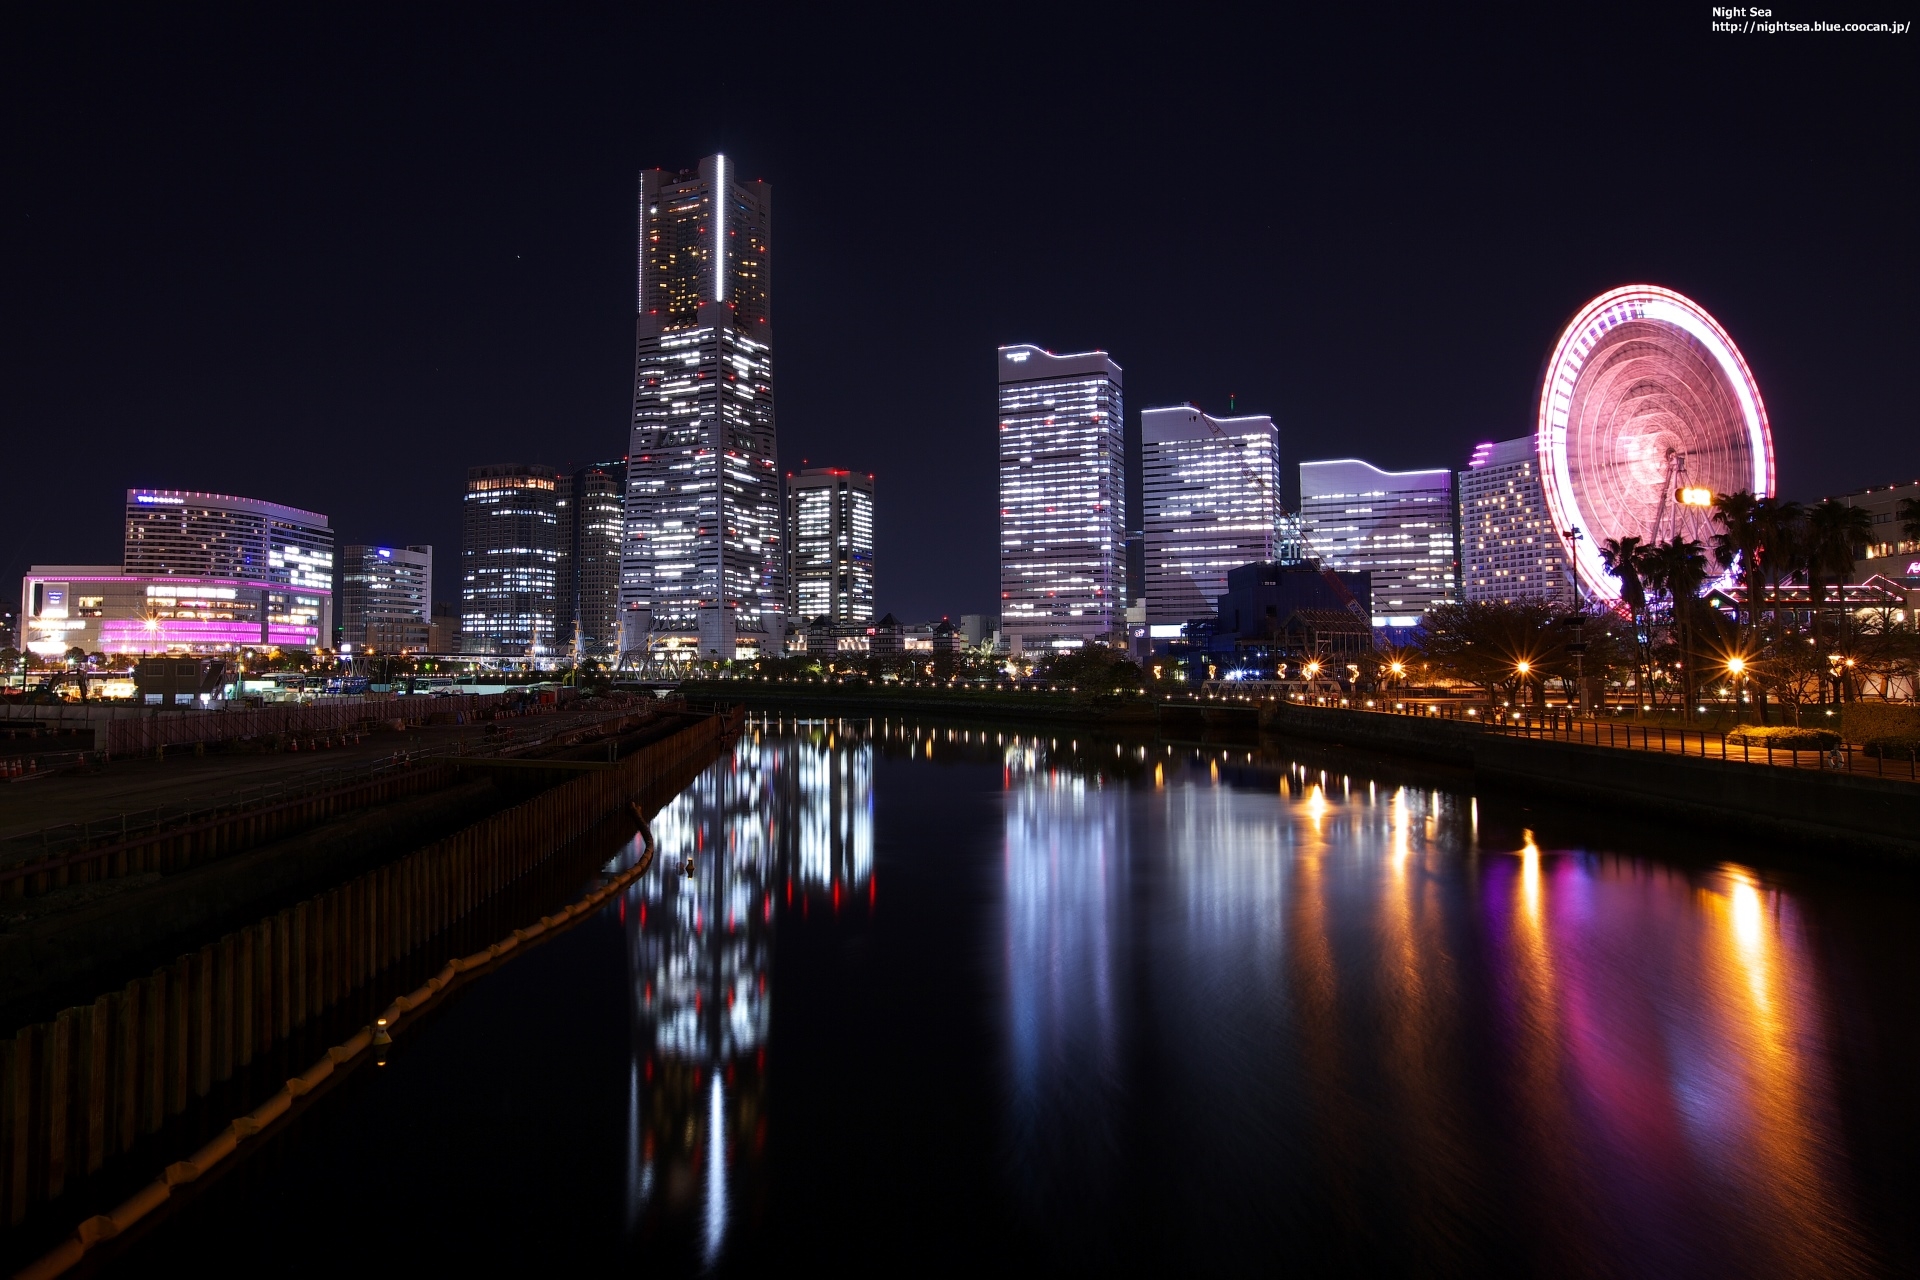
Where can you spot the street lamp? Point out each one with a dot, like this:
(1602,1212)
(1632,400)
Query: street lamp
(1737,671)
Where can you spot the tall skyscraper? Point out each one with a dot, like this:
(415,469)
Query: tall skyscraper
(591,504)
(386,598)
(1211,492)
(1062,499)
(701,567)
(508,551)
(179,532)
(1396,525)
(830,546)
(1509,549)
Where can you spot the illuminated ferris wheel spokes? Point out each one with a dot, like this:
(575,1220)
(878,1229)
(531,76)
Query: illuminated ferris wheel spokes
(1645,391)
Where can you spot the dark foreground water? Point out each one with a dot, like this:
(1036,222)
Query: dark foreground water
(936,999)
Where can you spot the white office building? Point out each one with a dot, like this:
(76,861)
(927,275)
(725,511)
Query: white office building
(1509,550)
(1396,525)
(1062,499)
(1211,497)
(386,598)
(830,546)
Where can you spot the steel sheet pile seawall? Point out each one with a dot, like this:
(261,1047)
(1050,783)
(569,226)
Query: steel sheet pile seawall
(106,1226)
(78,1091)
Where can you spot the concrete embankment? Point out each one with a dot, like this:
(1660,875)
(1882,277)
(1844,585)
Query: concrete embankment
(97,1085)
(1001,706)
(1840,812)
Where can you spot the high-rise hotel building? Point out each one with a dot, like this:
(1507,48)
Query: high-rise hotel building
(830,546)
(509,552)
(1211,493)
(1509,550)
(701,568)
(1396,525)
(1062,499)
(184,533)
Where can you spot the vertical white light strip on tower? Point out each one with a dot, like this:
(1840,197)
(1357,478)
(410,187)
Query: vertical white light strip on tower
(640,258)
(719,228)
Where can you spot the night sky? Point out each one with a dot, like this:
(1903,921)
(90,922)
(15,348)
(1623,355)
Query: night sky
(333,257)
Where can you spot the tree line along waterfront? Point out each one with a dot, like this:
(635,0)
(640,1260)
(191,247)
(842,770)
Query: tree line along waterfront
(1782,650)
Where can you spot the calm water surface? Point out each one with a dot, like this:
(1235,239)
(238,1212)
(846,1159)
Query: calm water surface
(939,997)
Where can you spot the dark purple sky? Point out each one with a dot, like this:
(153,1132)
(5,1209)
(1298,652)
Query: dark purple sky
(332,259)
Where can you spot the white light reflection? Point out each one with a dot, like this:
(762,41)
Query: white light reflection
(716,1214)
(1067,930)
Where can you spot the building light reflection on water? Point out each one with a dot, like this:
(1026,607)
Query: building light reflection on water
(768,829)
(1337,955)
(1264,876)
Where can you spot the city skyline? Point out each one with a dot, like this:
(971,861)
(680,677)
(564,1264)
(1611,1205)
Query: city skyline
(478,309)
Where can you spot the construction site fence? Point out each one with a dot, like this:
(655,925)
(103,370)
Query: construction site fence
(79,1091)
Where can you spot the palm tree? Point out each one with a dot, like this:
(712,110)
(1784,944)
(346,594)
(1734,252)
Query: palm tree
(1743,521)
(1783,544)
(1738,543)
(1679,567)
(1834,529)
(1622,557)
(1909,516)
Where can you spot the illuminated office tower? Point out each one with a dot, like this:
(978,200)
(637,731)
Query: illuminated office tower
(1211,494)
(591,505)
(1509,549)
(830,546)
(509,547)
(1396,525)
(386,598)
(1062,495)
(702,563)
(179,532)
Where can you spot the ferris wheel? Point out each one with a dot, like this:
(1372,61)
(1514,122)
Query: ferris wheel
(1647,411)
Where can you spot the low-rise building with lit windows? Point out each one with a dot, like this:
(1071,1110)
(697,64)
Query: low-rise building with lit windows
(1893,553)
(104,609)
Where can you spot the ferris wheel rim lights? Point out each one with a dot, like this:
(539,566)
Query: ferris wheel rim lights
(1577,341)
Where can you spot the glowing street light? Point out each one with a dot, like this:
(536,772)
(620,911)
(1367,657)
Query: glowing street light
(1522,667)
(1736,666)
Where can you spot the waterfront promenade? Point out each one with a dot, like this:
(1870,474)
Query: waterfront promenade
(1863,805)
